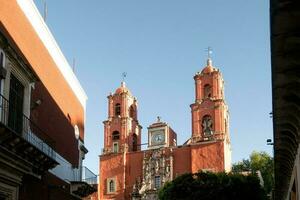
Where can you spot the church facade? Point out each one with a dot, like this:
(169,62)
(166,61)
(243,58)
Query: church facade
(127,172)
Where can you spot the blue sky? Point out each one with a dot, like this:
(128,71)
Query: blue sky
(161,45)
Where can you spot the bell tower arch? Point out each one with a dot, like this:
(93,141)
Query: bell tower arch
(122,132)
(210,114)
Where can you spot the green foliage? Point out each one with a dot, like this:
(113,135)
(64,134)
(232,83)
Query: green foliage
(213,186)
(259,161)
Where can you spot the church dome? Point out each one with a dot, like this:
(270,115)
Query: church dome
(209,68)
(122,89)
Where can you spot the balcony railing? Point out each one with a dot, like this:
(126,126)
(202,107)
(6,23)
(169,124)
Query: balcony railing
(21,125)
(84,174)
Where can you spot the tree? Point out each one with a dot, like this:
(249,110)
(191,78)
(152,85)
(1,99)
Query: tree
(213,186)
(259,161)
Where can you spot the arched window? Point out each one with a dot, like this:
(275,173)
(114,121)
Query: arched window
(207,125)
(118,109)
(207,91)
(115,147)
(111,185)
(132,112)
(116,135)
(134,142)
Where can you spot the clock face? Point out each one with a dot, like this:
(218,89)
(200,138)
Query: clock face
(158,137)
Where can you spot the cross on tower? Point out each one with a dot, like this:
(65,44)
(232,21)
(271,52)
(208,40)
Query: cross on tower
(209,52)
(124,74)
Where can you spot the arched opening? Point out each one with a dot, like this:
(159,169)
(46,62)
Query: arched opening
(132,112)
(207,125)
(118,109)
(134,142)
(111,186)
(116,135)
(207,91)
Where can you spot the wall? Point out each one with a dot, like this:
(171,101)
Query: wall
(16,26)
(51,119)
(209,156)
(182,160)
(112,166)
(134,170)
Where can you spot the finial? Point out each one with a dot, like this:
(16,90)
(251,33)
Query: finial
(158,118)
(124,74)
(209,52)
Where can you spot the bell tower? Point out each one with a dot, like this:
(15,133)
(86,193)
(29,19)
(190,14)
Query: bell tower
(122,132)
(210,116)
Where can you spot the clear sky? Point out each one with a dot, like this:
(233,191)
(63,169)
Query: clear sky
(161,45)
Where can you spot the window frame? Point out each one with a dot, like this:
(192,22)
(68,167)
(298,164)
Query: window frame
(115,150)
(157,182)
(111,185)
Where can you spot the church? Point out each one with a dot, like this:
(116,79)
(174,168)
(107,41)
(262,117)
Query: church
(127,172)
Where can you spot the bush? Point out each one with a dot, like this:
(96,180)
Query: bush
(213,186)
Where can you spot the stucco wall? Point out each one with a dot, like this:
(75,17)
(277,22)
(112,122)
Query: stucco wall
(17,28)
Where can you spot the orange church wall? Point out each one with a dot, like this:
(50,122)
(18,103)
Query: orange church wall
(208,156)
(16,27)
(111,166)
(172,137)
(182,160)
(134,162)
(186,159)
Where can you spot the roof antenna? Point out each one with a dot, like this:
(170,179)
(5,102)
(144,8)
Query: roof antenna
(45,10)
(73,65)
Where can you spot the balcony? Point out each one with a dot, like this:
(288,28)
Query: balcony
(24,142)
(84,183)
(216,136)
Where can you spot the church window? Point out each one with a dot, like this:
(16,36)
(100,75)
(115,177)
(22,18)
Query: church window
(134,142)
(207,91)
(115,147)
(207,125)
(132,112)
(118,109)
(111,185)
(157,182)
(116,135)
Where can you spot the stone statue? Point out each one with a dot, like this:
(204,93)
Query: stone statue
(207,125)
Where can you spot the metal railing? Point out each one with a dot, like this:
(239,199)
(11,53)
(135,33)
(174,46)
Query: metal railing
(88,176)
(84,174)
(21,125)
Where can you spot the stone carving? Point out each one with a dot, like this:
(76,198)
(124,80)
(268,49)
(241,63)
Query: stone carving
(155,163)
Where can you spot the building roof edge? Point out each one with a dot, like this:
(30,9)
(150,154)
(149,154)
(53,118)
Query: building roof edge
(42,30)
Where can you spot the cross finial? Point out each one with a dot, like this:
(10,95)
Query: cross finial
(209,52)
(158,118)
(124,74)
